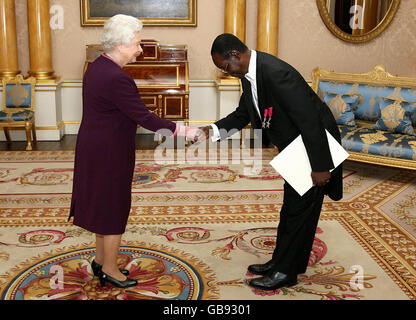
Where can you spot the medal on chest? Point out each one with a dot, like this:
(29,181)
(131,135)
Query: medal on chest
(267,117)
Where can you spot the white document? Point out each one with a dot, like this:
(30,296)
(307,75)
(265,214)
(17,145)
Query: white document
(294,166)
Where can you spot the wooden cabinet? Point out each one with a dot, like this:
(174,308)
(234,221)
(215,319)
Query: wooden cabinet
(161,75)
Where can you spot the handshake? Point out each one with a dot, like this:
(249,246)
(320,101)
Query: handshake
(195,134)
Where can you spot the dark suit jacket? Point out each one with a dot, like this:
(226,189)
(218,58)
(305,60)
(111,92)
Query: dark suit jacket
(296,110)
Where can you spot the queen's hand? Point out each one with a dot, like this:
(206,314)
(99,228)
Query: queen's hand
(191,132)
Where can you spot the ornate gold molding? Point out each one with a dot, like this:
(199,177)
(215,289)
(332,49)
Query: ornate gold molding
(378,76)
(322,8)
(189,21)
(383,161)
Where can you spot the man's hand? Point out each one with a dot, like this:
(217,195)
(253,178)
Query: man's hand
(203,133)
(206,131)
(320,178)
(192,133)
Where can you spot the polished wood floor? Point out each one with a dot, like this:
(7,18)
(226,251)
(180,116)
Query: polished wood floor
(68,142)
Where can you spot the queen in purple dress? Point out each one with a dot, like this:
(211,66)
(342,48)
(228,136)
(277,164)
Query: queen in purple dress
(105,148)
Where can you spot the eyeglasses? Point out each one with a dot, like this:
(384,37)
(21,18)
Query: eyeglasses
(225,69)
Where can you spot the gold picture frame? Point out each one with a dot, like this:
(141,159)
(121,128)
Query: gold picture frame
(152,13)
(336,31)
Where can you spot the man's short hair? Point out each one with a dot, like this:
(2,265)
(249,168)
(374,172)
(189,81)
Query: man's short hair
(225,43)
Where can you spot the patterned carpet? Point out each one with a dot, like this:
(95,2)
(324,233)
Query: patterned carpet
(194,229)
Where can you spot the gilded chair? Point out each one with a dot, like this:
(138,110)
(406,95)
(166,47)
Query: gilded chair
(18,106)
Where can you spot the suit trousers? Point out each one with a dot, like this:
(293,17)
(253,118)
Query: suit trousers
(299,218)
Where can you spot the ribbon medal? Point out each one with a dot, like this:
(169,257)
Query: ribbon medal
(270,116)
(264,119)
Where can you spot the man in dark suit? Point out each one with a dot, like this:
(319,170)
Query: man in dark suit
(269,82)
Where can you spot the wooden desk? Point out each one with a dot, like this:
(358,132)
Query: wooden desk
(161,75)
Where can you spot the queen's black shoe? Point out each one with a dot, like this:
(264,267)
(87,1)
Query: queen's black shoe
(96,269)
(273,280)
(116,283)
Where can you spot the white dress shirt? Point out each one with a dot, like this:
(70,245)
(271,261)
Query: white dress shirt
(251,77)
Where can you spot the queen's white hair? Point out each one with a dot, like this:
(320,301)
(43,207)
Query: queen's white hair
(119,29)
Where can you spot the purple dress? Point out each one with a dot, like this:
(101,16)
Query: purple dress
(105,148)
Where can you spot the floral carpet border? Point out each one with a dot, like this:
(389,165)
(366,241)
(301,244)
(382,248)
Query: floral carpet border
(386,256)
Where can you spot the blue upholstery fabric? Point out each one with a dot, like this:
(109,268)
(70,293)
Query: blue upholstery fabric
(342,106)
(18,95)
(368,107)
(3,116)
(396,116)
(16,116)
(377,142)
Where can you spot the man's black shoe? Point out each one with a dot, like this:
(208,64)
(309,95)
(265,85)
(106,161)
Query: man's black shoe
(273,281)
(261,269)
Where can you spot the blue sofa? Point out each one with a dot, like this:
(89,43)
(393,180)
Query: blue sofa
(376,114)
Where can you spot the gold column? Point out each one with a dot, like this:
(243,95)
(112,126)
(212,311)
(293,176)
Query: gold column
(268,26)
(9,65)
(235,18)
(40,48)
(234,23)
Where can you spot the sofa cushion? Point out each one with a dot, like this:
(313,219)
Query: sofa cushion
(368,107)
(396,116)
(16,116)
(377,142)
(342,106)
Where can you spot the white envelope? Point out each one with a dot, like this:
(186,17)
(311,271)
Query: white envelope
(294,166)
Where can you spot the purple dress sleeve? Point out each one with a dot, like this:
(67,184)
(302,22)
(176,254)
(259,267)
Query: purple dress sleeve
(127,98)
